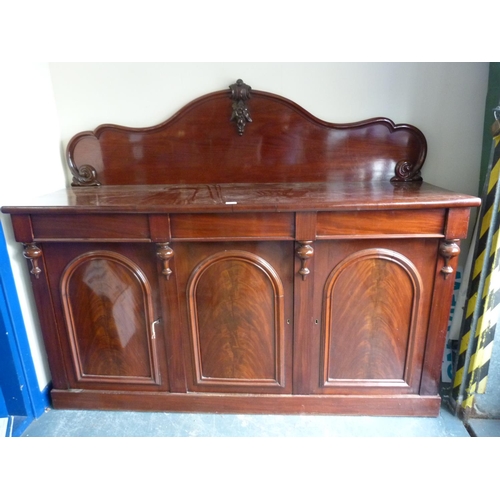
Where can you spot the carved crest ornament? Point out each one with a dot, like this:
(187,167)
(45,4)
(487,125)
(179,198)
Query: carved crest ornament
(240,93)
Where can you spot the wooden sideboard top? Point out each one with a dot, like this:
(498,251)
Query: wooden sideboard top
(226,198)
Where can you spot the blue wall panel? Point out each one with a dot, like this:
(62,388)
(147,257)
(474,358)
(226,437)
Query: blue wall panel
(18,382)
(3,407)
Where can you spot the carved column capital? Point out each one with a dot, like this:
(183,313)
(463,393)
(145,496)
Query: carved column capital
(304,252)
(33,253)
(165,253)
(448,249)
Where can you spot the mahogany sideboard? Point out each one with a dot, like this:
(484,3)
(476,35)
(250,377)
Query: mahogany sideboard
(246,256)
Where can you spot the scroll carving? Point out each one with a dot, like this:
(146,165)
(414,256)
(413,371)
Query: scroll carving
(33,253)
(84,175)
(448,249)
(165,253)
(240,93)
(305,252)
(407,171)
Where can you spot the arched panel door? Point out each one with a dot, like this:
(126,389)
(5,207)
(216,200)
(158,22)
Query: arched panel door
(239,318)
(371,303)
(373,320)
(109,314)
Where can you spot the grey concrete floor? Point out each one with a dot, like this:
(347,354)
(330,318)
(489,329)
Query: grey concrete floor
(76,423)
(483,427)
(487,405)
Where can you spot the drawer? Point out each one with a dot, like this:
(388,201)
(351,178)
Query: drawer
(421,223)
(263,226)
(106,227)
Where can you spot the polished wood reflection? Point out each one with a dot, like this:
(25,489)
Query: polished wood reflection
(284,143)
(107,301)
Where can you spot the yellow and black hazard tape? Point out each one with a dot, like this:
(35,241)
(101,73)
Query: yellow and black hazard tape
(483,303)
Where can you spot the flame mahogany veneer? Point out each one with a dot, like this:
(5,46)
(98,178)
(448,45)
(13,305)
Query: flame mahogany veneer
(245,256)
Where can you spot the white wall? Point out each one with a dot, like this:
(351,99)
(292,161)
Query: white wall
(445,100)
(31,166)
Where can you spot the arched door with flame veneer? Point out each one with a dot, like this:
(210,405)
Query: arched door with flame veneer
(238,314)
(375,302)
(111,324)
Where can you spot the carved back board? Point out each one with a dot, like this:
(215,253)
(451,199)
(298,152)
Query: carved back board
(246,136)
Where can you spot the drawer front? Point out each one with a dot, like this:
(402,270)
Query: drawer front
(414,223)
(244,226)
(90,227)
(263,226)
